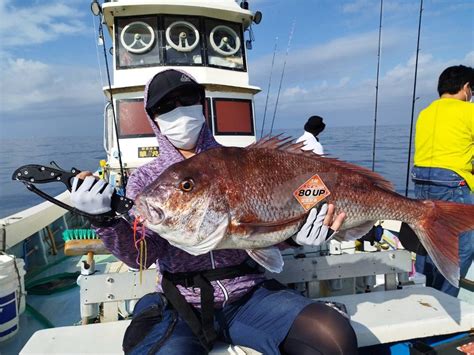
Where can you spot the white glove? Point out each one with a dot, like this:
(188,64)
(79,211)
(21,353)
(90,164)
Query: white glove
(90,199)
(314,232)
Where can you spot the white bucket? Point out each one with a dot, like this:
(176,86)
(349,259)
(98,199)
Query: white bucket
(20,265)
(10,288)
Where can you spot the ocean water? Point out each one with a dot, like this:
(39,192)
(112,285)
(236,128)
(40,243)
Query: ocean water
(83,153)
(352,144)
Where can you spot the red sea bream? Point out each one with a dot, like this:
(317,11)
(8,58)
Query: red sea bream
(247,198)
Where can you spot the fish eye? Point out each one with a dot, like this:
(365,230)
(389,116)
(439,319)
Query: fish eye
(186,185)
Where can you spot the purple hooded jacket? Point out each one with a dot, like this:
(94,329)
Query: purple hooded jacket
(119,237)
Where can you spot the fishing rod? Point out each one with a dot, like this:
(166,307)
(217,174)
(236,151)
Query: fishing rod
(282,74)
(413,100)
(377,88)
(122,171)
(268,89)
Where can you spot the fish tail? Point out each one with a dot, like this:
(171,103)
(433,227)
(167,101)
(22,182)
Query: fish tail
(438,231)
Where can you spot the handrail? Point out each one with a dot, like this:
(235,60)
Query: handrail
(19,226)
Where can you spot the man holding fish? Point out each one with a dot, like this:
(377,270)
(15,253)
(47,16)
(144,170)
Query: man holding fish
(210,283)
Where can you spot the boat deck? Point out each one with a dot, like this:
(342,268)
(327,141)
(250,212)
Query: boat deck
(378,317)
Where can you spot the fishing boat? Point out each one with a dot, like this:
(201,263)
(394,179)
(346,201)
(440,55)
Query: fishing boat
(210,39)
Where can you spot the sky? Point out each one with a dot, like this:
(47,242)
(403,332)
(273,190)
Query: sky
(51,81)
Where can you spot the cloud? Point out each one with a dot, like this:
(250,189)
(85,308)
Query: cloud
(49,99)
(293,91)
(348,102)
(357,6)
(327,78)
(37,24)
(32,84)
(44,95)
(470,59)
(324,61)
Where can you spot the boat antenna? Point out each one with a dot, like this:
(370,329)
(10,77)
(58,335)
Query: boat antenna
(122,171)
(268,89)
(377,88)
(414,98)
(282,74)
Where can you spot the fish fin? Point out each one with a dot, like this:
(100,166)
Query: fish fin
(285,143)
(270,258)
(355,232)
(279,141)
(438,231)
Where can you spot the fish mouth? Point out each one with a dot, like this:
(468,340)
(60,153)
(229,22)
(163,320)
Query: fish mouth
(151,213)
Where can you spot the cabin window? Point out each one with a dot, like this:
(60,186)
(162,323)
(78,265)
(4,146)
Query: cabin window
(132,120)
(137,42)
(144,41)
(233,117)
(224,44)
(182,41)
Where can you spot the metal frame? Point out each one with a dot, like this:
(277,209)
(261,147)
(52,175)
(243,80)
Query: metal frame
(111,289)
(317,268)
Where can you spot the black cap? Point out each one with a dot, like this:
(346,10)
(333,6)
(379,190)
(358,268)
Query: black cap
(315,125)
(165,82)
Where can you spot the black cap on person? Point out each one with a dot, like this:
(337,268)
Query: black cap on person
(314,125)
(165,82)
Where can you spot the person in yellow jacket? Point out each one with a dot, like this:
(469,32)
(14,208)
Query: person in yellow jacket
(443,162)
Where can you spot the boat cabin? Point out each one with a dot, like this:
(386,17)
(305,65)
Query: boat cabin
(205,38)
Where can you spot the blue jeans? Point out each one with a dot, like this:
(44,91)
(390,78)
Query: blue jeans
(260,321)
(446,185)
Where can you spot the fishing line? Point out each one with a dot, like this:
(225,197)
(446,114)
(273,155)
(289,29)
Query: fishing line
(413,100)
(122,172)
(282,74)
(268,89)
(97,53)
(377,88)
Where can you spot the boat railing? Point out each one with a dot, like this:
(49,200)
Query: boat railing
(19,226)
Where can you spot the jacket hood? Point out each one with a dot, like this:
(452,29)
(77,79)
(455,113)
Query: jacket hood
(205,138)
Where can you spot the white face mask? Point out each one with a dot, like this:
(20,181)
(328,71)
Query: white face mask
(182,125)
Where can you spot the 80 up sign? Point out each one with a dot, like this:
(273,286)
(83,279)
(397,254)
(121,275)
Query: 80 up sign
(311,192)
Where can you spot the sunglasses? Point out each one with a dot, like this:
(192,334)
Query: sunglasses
(169,103)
